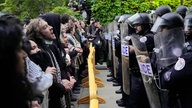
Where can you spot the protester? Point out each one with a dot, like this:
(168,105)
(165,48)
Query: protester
(16,89)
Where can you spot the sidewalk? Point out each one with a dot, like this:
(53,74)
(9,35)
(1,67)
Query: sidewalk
(107,92)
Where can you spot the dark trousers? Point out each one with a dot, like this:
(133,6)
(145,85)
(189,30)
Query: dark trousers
(120,80)
(119,73)
(138,97)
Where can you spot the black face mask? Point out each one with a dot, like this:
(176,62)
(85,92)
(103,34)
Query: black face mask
(35,57)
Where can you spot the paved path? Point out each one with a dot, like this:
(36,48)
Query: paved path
(107,92)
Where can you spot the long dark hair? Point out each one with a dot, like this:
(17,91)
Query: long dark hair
(10,38)
(16,85)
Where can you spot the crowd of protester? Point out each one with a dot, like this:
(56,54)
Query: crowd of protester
(45,58)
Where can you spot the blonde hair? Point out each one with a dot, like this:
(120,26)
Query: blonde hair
(33,28)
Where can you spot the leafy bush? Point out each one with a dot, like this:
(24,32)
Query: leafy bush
(66,10)
(106,10)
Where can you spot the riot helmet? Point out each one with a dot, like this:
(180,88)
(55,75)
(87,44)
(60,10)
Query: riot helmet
(140,19)
(126,20)
(182,10)
(168,20)
(123,18)
(117,18)
(169,39)
(160,11)
(188,26)
(152,15)
(131,30)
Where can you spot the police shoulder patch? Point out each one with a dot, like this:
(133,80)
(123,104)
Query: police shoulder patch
(167,75)
(143,39)
(180,64)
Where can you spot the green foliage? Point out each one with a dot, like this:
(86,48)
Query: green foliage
(106,10)
(30,8)
(172,3)
(65,2)
(188,3)
(2,1)
(66,10)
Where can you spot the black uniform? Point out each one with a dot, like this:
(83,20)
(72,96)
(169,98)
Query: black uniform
(174,60)
(138,97)
(177,81)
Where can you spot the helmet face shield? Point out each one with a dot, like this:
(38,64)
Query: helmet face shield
(169,39)
(160,11)
(158,24)
(134,19)
(154,17)
(122,18)
(139,19)
(170,45)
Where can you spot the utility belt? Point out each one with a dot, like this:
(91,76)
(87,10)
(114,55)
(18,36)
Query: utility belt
(135,71)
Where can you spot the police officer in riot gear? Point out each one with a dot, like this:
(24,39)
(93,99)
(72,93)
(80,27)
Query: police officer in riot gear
(188,31)
(117,40)
(142,24)
(160,11)
(182,10)
(123,68)
(160,50)
(114,28)
(174,61)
